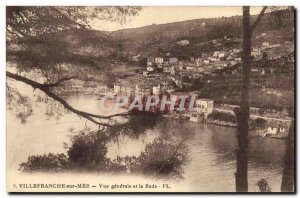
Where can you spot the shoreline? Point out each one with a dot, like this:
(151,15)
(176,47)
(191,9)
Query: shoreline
(254,132)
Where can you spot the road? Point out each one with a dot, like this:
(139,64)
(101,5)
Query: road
(255,116)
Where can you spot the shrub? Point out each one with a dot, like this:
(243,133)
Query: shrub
(227,117)
(260,123)
(88,150)
(137,124)
(163,157)
(263,186)
(50,162)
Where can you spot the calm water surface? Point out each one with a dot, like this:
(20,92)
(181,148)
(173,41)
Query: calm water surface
(211,147)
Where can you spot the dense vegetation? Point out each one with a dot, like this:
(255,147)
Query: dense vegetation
(157,39)
(270,91)
(226,117)
(88,152)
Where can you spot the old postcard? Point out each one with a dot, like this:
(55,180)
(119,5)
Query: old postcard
(150,99)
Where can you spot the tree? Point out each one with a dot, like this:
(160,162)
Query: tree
(33,45)
(242,113)
(288,183)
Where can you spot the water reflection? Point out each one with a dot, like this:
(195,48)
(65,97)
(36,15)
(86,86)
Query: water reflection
(211,148)
(212,153)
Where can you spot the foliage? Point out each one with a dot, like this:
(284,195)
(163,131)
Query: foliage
(88,150)
(279,15)
(159,39)
(260,123)
(137,124)
(226,117)
(195,84)
(36,44)
(17,103)
(163,157)
(50,162)
(36,20)
(263,186)
(226,89)
(43,37)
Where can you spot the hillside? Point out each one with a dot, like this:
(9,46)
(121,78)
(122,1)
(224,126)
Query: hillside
(111,51)
(156,39)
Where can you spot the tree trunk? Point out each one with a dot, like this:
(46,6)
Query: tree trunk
(288,174)
(243,112)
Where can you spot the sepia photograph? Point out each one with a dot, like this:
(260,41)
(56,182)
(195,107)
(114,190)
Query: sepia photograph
(150,99)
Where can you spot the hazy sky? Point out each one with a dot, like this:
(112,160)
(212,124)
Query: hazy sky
(161,15)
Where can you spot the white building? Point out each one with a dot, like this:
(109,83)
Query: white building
(142,90)
(173,60)
(216,54)
(256,54)
(198,61)
(236,51)
(129,91)
(173,71)
(205,106)
(229,58)
(206,61)
(145,73)
(272,130)
(265,45)
(117,88)
(275,45)
(213,59)
(263,34)
(183,42)
(156,90)
(159,60)
(102,88)
(166,83)
(181,66)
(190,67)
(222,54)
(239,59)
(275,128)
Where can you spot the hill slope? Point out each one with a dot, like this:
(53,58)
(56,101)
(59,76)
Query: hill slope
(154,39)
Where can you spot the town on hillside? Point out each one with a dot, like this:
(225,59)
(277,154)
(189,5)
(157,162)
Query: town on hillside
(167,74)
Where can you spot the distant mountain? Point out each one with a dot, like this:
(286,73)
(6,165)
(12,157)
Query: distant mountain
(157,39)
